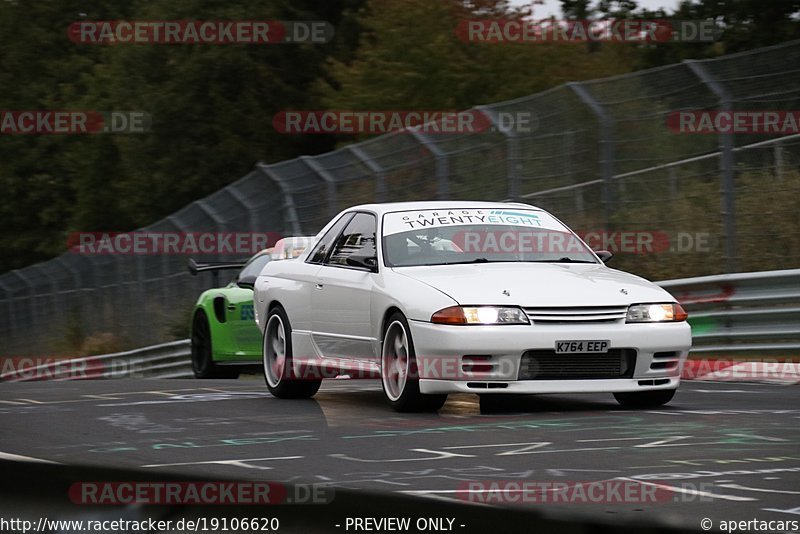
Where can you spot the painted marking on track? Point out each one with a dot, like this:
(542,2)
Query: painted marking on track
(724,391)
(246,462)
(762,490)
(12,402)
(690,491)
(793,511)
(666,442)
(530,446)
(437,495)
(19,458)
(752,436)
(112,396)
(577,450)
(604,439)
(438,455)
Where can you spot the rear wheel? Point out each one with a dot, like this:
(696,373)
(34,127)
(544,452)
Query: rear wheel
(203,364)
(645,399)
(277,360)
(399,375)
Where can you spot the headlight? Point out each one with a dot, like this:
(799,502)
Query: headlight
(656,313)
(480,315)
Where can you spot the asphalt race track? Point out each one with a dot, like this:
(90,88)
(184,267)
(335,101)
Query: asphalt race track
(718,451)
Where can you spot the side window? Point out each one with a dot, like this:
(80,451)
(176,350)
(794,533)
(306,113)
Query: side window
(323,247)
(357,239)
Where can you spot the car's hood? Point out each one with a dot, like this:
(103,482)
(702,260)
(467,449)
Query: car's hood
(543,284)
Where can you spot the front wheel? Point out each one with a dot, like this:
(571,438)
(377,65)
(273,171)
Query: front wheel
(645,399)
(277,360)
(399,375)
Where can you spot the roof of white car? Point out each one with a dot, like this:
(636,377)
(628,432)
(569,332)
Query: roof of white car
(389,207)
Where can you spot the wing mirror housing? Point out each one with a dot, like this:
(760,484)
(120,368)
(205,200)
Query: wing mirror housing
(369,263)
(604,255)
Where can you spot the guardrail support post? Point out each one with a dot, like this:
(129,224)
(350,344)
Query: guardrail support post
(512,151)
(373,166)
(726,165)
(330,183)
(292,221)
(606,147)
(442,164)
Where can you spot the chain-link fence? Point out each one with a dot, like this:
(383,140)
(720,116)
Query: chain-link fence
(602,156)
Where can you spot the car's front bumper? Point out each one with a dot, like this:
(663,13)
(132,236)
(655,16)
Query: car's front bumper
(440,351)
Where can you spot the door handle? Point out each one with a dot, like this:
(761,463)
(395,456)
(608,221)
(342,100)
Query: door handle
(317,286)
(231,307)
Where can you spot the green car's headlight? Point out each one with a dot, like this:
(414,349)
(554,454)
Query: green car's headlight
(480,315)
(656,313)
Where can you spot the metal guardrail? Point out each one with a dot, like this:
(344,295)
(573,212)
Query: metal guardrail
(167,360)
(745,312)
(729,313)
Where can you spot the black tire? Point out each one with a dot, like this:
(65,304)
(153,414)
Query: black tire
(402,393)
(645,399)
(203,364)
(278,376)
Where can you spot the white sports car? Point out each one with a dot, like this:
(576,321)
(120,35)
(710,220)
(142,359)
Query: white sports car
(473,297)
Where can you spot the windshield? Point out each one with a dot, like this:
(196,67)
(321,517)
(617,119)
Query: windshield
(444,237)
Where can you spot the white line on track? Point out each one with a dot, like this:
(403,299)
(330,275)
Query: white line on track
(690,491)
(18,458)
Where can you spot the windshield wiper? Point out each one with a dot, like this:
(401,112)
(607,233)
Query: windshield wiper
(571,260)
(476,260)
(561,260)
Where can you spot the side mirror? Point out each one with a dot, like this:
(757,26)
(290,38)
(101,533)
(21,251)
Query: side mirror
(604,255)
(365,262)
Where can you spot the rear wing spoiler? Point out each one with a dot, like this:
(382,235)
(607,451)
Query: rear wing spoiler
(197,267)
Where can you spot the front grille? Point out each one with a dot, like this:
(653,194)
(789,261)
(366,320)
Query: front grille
(547,365)
(577,315)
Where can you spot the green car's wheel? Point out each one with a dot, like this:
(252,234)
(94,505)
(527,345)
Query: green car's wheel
(277,360)
(202,360)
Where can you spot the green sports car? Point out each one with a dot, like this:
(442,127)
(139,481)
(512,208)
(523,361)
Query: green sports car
(225,337)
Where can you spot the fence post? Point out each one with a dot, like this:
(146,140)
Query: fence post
(442,164)
(330,183)
(726,165)
(779,161)
(288,201)
(252,214)
(373,166)
(30,304)
(606,147)
(10,317)
(512,151)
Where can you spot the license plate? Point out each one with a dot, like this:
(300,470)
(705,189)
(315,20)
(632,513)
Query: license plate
(582,346)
